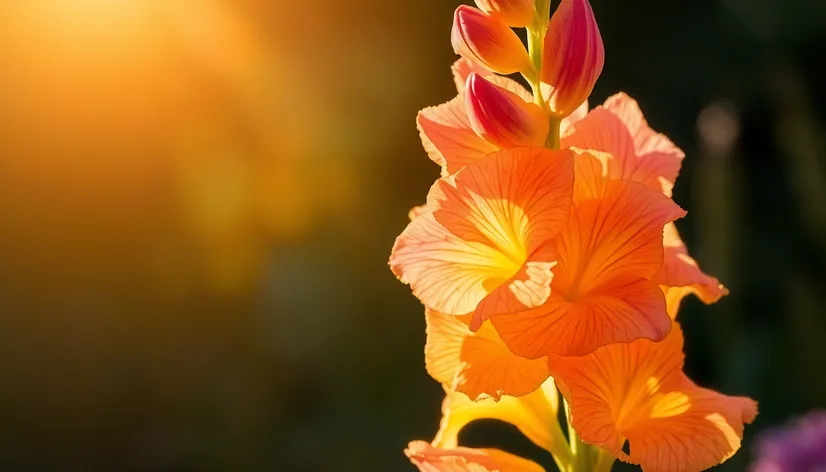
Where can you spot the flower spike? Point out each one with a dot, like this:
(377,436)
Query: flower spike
(516,13)
(573,57)
(546,256)
(503,117)
(486,40)
(638,392)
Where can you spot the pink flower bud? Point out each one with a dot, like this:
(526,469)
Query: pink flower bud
(486,40)
(502,117)
(516,13)
(573,56)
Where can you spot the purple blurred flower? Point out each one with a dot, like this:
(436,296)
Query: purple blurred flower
(800,447)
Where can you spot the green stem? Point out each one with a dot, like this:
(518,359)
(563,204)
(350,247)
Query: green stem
(536,38)
(553,139)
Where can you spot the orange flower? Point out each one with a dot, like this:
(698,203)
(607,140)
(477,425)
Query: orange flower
(602,291)
(481,244)
(539,265)
(639,153)
(446,131)
(638,392)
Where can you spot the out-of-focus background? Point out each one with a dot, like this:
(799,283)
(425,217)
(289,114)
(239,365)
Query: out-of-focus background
(199,198)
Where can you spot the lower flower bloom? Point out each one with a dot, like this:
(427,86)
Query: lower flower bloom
(639,393)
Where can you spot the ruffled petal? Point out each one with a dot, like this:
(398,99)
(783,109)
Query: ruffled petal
(485,227)
(446,273)
(600,292)
(646,140)
(448,138)
(680,274)
(617,234)
(638,392)
(640,154)
(690,429)
(621,311)
(462,459)
(533,414)
(477,364)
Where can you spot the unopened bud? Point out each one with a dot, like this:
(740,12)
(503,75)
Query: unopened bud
(573,56)
(490,42)
(502,117)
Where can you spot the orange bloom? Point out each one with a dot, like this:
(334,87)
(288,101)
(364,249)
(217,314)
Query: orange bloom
(446,131)
(574,56)
(639,153)
(602,291)
(638,392)
(481,244)
(541,265)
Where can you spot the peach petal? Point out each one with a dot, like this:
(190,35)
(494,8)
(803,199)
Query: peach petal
(638,392)
(482,225)
(448,137)
(478,364)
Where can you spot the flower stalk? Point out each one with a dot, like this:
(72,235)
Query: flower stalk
(551,227)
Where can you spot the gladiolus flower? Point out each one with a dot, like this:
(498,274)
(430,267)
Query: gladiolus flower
(516,13)
(574,56)
(639,153)
(601,291)
(540,265)
(502,117)
(486,40)
(481,246)
(638,392)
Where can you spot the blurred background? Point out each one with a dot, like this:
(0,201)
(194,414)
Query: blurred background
(199,198)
